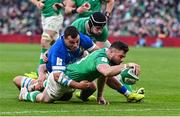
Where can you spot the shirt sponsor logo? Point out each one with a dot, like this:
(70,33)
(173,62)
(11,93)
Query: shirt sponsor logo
(104,59)
(59,61)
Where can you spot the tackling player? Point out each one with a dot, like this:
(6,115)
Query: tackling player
(67,49)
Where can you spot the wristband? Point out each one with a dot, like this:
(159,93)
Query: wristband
(64,80)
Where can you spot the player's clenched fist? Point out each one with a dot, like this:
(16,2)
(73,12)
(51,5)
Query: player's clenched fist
(85,7)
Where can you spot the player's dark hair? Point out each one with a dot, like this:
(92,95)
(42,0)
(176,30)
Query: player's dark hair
(71,31)
(120,46)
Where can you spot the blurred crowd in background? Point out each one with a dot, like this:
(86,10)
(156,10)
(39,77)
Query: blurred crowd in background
(129,18)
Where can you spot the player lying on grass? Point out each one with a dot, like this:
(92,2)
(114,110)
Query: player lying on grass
(69,48)
(96,65)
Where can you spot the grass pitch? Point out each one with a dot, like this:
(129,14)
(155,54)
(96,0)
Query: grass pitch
(160,76)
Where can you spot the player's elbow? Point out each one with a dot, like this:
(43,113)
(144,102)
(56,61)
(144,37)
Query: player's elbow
(106,74)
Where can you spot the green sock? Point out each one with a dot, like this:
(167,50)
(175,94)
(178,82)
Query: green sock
(31,96)
(43,50)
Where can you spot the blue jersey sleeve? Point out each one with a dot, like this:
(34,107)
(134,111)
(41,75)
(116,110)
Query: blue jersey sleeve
(57,57)
(86,42)
(58,63)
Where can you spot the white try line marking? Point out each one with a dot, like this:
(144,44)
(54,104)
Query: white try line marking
(100,110)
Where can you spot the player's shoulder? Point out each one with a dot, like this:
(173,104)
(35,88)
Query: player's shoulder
(102,52)
(84,37)
(105,31)
(59,45)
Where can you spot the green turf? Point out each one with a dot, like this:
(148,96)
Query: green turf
(160,76)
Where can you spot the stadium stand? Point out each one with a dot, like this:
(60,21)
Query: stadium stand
(153,23)
(134,17)
(148,17)
(19,17)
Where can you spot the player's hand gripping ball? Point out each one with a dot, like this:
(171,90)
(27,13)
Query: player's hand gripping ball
(128,76)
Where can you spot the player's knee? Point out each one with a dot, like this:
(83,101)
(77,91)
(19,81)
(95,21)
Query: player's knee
(46,40)
(42,98)
(17,81)
(14,80)
(46,101)
(66,96)
(86,93)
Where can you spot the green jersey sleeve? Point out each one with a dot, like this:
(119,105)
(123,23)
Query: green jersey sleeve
(101,60)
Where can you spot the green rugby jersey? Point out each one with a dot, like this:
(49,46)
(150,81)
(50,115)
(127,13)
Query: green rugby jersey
(48,10)
(86,68)
(80,24)
(95,7)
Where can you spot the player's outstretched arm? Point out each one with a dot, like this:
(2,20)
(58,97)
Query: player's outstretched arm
(109,8)
(109,71)
(64,80)
(100,84)
(42,70)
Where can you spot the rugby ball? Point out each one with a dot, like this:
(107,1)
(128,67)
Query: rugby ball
(128,76)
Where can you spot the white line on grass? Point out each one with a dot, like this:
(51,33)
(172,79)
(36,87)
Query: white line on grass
(100,110)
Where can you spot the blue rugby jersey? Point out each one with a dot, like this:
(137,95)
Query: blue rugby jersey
(59,55)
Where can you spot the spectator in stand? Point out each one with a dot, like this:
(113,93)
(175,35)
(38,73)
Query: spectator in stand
(158,43)
(127,18)
(131,15)
(18,17)
(142,41)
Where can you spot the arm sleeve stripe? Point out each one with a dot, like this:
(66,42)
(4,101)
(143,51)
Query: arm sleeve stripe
(91,48)
(55,68)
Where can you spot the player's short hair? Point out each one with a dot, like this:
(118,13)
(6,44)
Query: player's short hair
(120,46)
(97,19)
(71,31)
